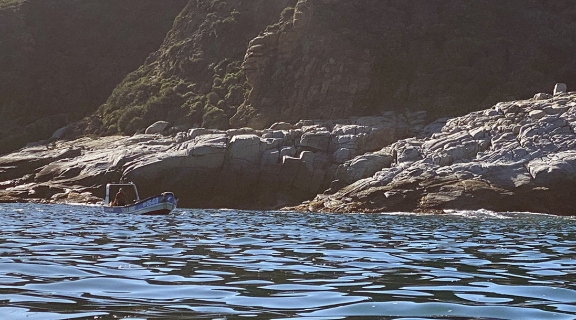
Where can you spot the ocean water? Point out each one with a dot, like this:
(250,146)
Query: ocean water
(75,262)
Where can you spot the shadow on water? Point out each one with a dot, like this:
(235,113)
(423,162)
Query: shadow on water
(63,262)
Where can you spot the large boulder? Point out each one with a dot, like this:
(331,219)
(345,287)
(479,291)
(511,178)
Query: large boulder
(316,140)
(363,166)
(157,127)
(244,152)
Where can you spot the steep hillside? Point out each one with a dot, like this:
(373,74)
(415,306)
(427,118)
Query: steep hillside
(252,63)
(195,78)
(335,58)
(61,59)
(357,57)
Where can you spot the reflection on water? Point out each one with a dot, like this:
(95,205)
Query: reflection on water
(62,262)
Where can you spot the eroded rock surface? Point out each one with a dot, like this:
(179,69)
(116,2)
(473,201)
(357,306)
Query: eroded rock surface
(239,168)
(515,156)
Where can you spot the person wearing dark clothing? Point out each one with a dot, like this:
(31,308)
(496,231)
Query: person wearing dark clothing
(120,199)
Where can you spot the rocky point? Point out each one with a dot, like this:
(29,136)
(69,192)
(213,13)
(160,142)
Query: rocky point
(515,156)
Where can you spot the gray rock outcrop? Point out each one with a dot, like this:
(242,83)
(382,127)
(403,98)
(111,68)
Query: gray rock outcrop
(239,168)
(515,156)
(560,88)
(156,127)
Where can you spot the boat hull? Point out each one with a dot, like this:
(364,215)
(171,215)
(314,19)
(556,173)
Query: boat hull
(156,205)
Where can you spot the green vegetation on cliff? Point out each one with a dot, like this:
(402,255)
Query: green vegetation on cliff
(195,78)
(7,3)
(329,59)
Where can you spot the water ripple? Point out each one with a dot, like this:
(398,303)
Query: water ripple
(62,262)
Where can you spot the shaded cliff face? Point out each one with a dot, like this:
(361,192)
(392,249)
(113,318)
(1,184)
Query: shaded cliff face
(60,59)
(252,63)
(335,59)
(195,78)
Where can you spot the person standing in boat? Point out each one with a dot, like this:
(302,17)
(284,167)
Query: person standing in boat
(120,199)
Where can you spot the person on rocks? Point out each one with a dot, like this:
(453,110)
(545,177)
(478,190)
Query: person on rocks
(120,199)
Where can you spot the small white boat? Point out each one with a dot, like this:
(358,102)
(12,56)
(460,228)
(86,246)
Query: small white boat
(160,204)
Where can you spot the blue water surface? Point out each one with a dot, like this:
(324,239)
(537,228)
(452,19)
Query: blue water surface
(76,262)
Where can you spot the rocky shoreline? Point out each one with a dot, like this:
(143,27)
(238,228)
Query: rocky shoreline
(237,168)
(515,156)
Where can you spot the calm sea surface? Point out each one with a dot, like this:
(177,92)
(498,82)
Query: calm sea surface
(75,262)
